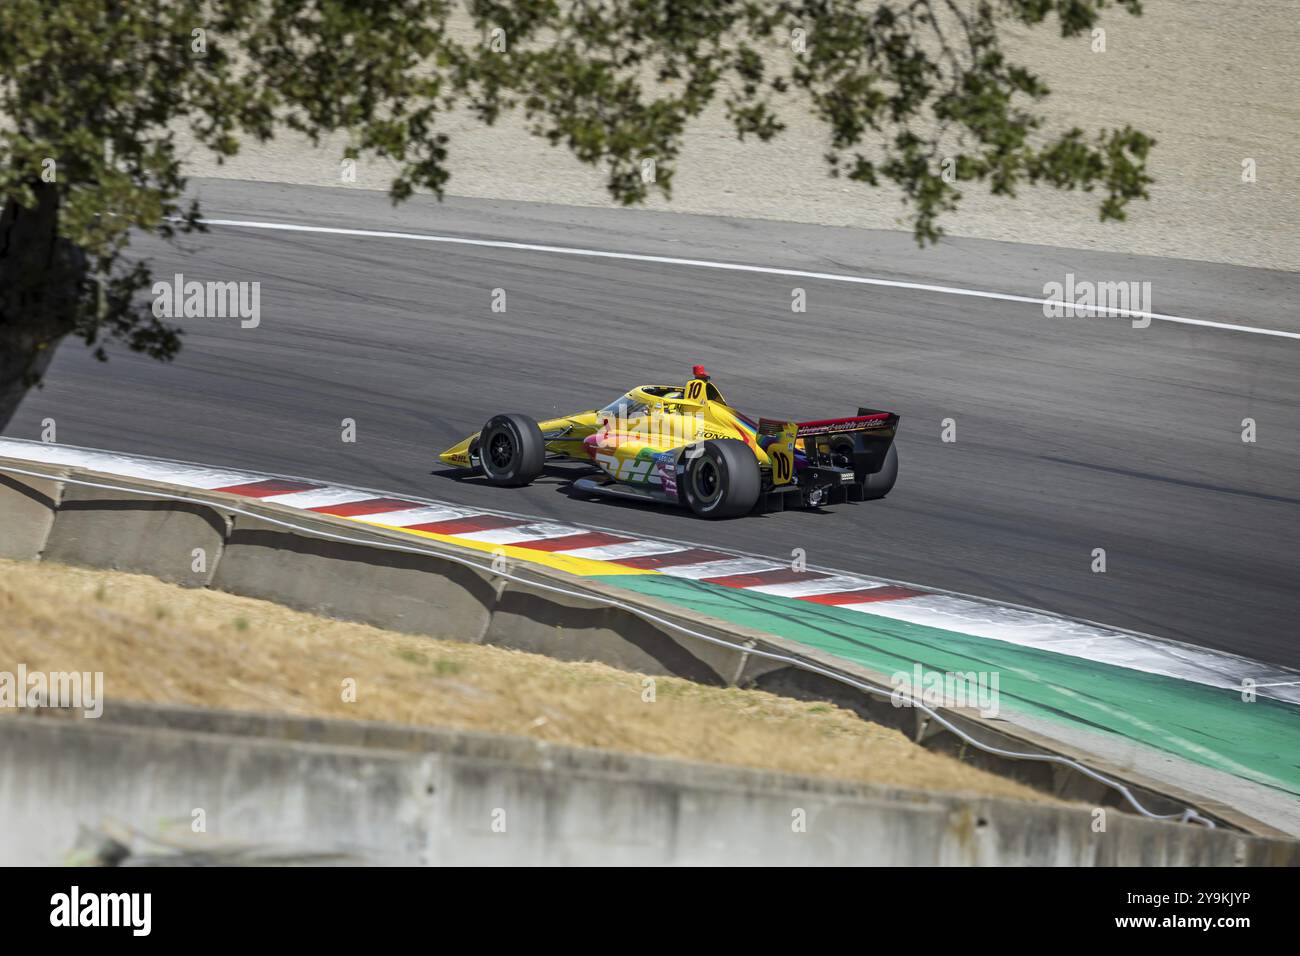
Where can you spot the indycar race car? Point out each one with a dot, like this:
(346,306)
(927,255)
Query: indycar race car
(684,445)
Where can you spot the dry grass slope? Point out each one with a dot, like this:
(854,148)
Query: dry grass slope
(163,643)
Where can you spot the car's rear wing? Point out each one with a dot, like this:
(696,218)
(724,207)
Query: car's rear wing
(866,420)
(862,439)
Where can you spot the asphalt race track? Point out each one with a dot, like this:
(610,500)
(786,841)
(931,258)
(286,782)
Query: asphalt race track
(1072,433)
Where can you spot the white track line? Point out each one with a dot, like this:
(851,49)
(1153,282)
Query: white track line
(735,267)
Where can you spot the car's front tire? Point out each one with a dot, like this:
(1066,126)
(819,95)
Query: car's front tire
(511,451)
(722,479)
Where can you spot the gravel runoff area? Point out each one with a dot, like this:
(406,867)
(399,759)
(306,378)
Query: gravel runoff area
(1215,83)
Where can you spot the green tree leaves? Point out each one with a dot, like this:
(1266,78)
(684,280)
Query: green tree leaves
(917,93)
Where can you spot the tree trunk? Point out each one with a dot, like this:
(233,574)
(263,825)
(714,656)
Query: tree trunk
(42,280)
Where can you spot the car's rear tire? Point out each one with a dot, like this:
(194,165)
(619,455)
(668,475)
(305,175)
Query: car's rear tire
(878,485)
(722,479)
(511,451)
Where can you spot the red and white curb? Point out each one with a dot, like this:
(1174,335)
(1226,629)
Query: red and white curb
(692,562)
(757,574)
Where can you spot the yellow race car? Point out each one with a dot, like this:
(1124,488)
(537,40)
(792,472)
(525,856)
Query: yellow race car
(684,445)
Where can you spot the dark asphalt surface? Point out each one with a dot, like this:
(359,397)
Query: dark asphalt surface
(1072,434)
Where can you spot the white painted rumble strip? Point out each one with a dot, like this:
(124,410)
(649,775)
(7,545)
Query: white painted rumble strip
(422,515)
(206,478)
(630,549)
(320,498)
(191,476)
(832,585)
(520,533)
(737,267)
(949,612)
(1148,654)
(721,568)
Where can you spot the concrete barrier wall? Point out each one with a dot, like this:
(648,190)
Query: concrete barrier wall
(437,595)
(171,540)
(27,507)
(574,629)
(417,594)
(291,788)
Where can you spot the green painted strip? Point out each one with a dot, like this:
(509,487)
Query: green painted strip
(1258,741)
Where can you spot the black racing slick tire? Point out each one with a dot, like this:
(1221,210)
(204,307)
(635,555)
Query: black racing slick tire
(878,485)
(722,479)
(511,451)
